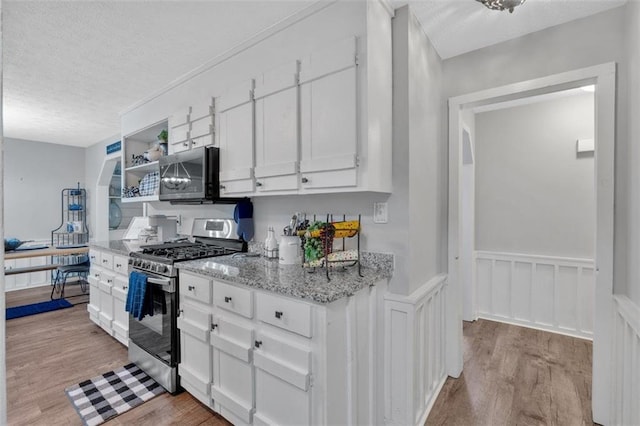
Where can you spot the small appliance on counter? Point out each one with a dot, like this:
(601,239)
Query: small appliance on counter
(151,229)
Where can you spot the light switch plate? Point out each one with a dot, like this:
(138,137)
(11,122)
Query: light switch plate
(380,212)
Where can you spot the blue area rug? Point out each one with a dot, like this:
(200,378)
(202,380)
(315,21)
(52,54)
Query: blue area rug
(37,308)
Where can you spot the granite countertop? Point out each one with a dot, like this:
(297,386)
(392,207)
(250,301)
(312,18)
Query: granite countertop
(116,246)
(293,280)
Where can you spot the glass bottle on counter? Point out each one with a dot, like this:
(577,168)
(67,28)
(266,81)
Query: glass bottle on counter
(271,245)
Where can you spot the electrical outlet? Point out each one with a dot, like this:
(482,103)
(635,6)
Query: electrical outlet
(380,212)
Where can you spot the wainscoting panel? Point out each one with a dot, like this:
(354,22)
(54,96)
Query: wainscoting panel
(549,293)
(414,364)
(625,409)
(33,279)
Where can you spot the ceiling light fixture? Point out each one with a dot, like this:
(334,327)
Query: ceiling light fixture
(501,4)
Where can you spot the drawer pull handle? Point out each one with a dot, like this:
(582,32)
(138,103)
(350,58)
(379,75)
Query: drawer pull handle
(180,311)
(214,326)
(278,314)
(104,260)
(227,299)
(124,287)
(191,288)
(109,281)
(258,184)
(305,180)
(118,265)
(257,343)
(223,187)
(185,144)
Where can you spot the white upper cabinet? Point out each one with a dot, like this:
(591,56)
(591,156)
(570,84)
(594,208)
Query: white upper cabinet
(235,121)
(276,104)
(202,117)
(179,131)
(329,118)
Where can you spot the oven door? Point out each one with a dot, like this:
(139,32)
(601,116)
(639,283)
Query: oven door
(157,334)
(189,175)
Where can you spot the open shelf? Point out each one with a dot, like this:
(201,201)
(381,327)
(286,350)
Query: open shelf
(142,168)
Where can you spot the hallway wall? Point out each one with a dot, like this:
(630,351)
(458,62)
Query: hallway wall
(582,43)
(534,193)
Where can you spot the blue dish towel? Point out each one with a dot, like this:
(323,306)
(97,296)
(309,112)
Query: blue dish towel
(136,295)
(243,215)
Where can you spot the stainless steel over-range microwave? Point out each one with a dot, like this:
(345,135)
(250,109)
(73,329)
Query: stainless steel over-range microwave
(190,176)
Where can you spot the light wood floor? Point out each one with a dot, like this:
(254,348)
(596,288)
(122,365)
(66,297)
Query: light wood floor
(48,352)
(517,376)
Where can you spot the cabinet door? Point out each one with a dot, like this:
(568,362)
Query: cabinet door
(232,386)
(202,132)
(195,352)
(283,374)
(276,97)
(94,295)
(329,119)
(235,132)
(106,301)
(179,138)
(120,324)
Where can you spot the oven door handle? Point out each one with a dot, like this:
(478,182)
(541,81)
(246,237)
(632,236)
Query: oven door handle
(159,281)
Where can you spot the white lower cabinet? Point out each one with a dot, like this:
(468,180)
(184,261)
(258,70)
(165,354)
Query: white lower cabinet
(106,301)
(194,323)
(283,376)
(233,380)
(273,360)
(108,286)
(120,324)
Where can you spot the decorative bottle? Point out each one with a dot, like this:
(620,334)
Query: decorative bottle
(271,245)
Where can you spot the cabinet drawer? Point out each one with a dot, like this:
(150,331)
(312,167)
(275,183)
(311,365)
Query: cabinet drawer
(234,299)
(201,127)
(120,264)
(283,360)
(106,260)
(195,287)
(94,257)
(284,313)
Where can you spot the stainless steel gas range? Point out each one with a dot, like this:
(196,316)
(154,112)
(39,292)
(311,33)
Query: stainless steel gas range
(154,344)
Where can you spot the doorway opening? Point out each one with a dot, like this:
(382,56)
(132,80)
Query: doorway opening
(460,211)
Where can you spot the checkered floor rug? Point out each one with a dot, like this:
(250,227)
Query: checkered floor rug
(104,397)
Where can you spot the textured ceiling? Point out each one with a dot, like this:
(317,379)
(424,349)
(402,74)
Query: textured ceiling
(70,67)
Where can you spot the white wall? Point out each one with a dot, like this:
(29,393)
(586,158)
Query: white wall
(427,158)
(590,41)
(534,194)
(632,39)
(35,173)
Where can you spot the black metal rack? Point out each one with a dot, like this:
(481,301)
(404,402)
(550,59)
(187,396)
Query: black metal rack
(328,237)
(73,230)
